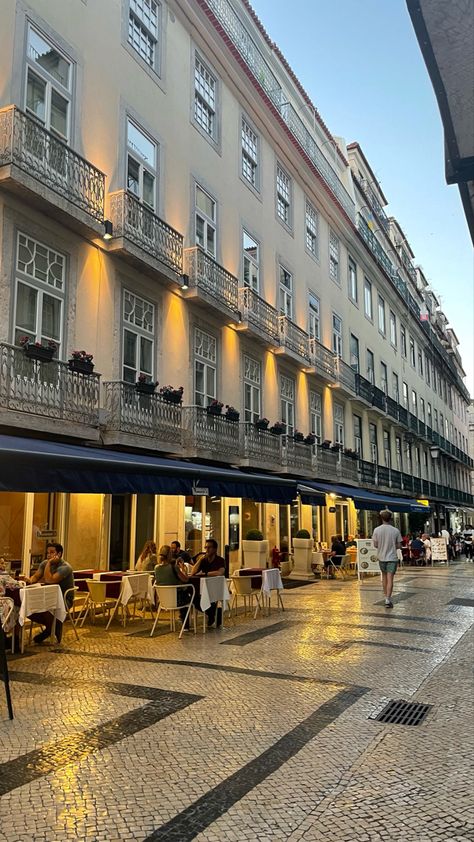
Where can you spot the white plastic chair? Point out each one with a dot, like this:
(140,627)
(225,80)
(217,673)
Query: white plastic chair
(70,610)
(96,598)
(168,601)
(8,602)
(134,588)
(242,587)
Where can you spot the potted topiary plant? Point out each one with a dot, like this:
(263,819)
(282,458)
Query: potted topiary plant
(255,549)
(303,546)
(326,444)
(310,439)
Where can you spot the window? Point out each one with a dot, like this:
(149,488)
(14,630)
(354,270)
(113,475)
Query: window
(49,80)
(357,426)
(398,453)
(420,363)
(252,389)
(337,335)
(393,329)
(354,353)
(250,261)
(435,416)
(428,370)
(287,403)
(370,367)
(409,457)
(205,362)
(374,450)
(428,414)
(249,154)
(333,256)
(205,99)
(384,378)
(205,216)
(418,462)
(313,316)
(283,195)
(352,280)
(387,455)
(395,387)
(403,341)
(315,409)
(414,403)
(422,410)
(141,165)
(138,316)
(381,315)
(312,229)
(40,292)
(441,424)
(338,410)
(286,292)
(143,29)
(412,351)
(405,395)
(368,299)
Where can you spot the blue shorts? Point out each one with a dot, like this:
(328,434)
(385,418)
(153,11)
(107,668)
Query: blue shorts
(388,566)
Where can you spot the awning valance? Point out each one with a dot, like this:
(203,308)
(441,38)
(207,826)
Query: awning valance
(370,501)
(310,495)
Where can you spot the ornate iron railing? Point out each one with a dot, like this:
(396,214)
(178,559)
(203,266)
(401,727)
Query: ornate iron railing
(347,468)
(131,219)
(214,433)
(257,312)
(209,276)
(383,475)
(364,388)
(367,472)
(403,415)
(412,422)
(407,481)
(47,389)
(140,414)
(396,479)
(326,463)
(322,358)
(392,408)
(293,338)
(379,399)
(25,143)
(297,455)
(346,375)
(260,445)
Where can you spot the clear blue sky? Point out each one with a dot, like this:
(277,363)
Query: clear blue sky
(360,62)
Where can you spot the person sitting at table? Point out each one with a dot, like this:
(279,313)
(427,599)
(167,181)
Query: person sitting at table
(54,570)
(338,551)
(350,543)
(146,561)
(171,571)
(177,552)
(8,586)
(417,550)
(210,564)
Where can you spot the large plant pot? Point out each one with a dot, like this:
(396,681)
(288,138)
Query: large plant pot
(285,568)
(302,553)
(39,353)
(145,388)
(255,553)
(82,366)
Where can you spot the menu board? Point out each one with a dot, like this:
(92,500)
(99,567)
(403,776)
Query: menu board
(439,549)
(367,560)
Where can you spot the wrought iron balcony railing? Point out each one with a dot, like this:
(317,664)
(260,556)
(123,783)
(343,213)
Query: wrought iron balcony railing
(326,463)
(214,433)
(293,339)
(324,361)
(47,389)
(258,315)
(367,472)
(412,422)
(379,399)
(364,388)
(392,408)
(346,376)
(136,413)
(260,447)
(26,144)
(403,415)
(132,220)
(209,277)
(297,456)
(347,468)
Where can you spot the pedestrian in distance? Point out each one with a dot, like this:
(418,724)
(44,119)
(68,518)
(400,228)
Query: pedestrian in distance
(387,540)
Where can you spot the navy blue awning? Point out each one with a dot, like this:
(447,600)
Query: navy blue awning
(311,496)
(46,466)
(370,501)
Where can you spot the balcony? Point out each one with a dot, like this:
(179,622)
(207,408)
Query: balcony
(294,342)
(56,179)
(47,396)
(322,361)
(412,423)
(364,389)
(395,479)
(297,457)
(422,429)
(367,473)
(143,238)
(326,463)
(383,476)
(345,377)
(258,318)
(403,415)
(210,284)
(210,436)
(379,399)
(260,448)
(408,484)
(392,408)
(347,469)
(132,415)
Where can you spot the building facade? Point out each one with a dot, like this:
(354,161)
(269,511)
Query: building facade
(172,202)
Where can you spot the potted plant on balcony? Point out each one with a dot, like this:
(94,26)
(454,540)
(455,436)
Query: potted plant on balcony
(231,413)
(352,454)
(81,361)
(278,428)
(297,436)
(171,395)
(310,439)
(326,444)
(255,549)
(215,408)
(336,448)
(262,423)
(145,385)
(37,351)
(303,546)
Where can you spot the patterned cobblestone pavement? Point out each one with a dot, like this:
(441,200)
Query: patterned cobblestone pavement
(261,731)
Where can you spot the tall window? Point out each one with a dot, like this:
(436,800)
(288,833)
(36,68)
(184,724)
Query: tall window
(408,451)
(205,367)
(398,453)
(414,403)
(395,387)
(354,353)
(368,310)
(403,341)
(49,84)
(287,403)
(143,29)
(286,292)
(138,316)
(384,378)
(435,417)
(205,221)
(428,414)
(428,369)
(283,195)
(422,410)
(252,389)
(381,314)
(441,424)
(420,362)
(405,395)
(249,154)
(313,316)
(333,256)
(412,351)
(338,410)
(374,449)
(352,280)
(393,329)
(312,229)
(141,165)
(315,410)
(205,98)
(337,334)
(387,456)
(40,279)
(250,261)
(370,367)
(357,425)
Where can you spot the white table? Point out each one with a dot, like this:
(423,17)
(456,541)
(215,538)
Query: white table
(271,581)
(38,598)
(134,586)
(213,589)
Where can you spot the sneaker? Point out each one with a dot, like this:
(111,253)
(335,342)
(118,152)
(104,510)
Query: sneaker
(388,603)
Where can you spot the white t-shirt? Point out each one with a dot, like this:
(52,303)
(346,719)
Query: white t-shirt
(387,539)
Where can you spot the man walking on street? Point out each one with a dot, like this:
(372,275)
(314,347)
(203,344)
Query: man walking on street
(387,540)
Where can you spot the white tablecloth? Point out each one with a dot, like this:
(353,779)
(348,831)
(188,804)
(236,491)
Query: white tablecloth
(271,580)
(139,585)
(36,598)
(213,589)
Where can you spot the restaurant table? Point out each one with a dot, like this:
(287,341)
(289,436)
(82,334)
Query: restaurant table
(209,589)
(271,581)
(38,598)
(133,586)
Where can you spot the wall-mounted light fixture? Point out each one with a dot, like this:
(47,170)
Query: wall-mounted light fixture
(185,281)
(434,452)
(108,230)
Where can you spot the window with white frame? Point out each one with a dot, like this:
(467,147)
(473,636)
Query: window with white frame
(428,369)
(405,394)
(286,292)
(414,403)
(287,403)
(422,410)
(412,351)
(141,165)
(316,416)
(441,424)
(205,221)
(312,229)
(205,367)
(368,310)
(370,367)
(428,414)
(333,256)
(252,389)
(387,455)
(398,453)
(138,320)
(40,290)
(249,153)
(435,418)
(374,448)
(49,84)
(143,29)
(352,280)
(420,362)
(205,98)
(381,314)
(393,329)
(403,341)
(395,387)
(354,353)
(313,316)
(338,432)
(337,334)
(283,195)
(250,261)
(409,460)
(357,427)
(384,378)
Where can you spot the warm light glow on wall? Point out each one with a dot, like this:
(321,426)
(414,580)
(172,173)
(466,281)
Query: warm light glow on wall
(270,406)
(302,398)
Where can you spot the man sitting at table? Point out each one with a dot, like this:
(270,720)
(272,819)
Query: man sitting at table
(54,570)
(210,564)
(180,554)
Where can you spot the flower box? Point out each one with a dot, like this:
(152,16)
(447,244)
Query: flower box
(39,352)
(262,424)
(145,388)
(172,395)
(278,430)
(82,366)
(215,408)
(298,437)
(232,416)
(310,440)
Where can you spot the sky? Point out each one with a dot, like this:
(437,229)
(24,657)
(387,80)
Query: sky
(360,63)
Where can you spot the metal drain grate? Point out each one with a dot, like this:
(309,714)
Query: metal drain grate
(399,712)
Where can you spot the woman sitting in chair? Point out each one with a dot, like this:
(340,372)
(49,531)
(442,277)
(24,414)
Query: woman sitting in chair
(147,558)
(338,551)
(171,571)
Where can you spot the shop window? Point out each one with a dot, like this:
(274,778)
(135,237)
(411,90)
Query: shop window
(193,524)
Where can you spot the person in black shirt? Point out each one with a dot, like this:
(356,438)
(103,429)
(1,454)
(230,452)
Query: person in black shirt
(338,551)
